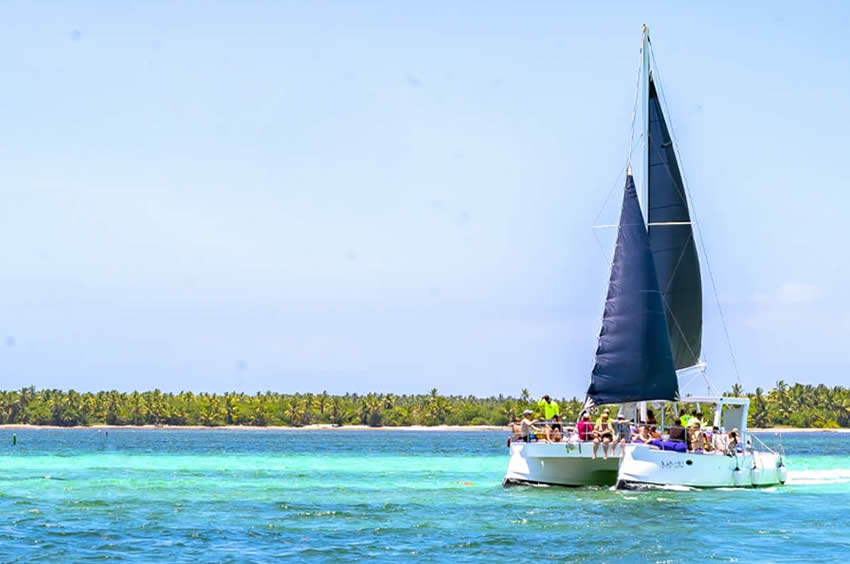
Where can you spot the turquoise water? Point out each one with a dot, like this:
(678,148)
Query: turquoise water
(241,496)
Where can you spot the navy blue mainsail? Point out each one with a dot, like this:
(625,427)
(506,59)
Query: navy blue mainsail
(634,361)
(671,239)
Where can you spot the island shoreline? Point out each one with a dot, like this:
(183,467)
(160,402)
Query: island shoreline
(328,427)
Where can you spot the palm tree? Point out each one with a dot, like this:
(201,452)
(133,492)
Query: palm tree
(759,415)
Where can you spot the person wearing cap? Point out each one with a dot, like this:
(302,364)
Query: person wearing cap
(526,427)
(622,434)
(548,407)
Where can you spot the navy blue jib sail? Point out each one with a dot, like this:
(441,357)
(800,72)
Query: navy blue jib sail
(634,361)
(671,239)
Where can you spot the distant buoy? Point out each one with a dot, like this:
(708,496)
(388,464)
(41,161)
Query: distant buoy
(14,439)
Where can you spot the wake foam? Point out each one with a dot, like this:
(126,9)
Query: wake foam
(819,477)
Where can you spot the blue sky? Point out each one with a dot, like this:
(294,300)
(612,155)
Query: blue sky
(389,196)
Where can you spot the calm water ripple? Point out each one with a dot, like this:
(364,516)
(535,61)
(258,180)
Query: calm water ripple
(243,496)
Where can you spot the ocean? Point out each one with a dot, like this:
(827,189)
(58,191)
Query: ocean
(258,495)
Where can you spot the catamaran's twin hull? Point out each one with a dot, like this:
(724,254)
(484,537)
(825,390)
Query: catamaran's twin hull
(560,464)
(645,465)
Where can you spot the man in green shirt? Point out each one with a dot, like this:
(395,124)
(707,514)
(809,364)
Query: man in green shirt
(548,407)
(696,415)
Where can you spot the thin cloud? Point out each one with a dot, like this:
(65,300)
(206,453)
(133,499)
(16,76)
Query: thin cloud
(789,294)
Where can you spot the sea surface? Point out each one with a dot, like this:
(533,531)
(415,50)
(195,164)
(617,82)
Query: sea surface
(252,496)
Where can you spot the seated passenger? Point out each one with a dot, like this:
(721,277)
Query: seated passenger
(697,437)
(676,433)
(585,428)
(622,434)
(527,429)
(734,439)
(719,441)
(653,431)
(554,430)
(603,433)
(643,435)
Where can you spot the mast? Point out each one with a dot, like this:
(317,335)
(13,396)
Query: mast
(644,192)
(644,89)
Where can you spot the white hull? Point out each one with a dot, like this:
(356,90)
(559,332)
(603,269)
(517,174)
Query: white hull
(643,464)
(561,464)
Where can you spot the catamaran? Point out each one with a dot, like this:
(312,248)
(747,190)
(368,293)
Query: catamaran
(651,336)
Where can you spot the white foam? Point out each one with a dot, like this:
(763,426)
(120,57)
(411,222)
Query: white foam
(676,488)
(819,477)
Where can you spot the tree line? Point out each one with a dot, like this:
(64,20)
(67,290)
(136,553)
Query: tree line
(794,405)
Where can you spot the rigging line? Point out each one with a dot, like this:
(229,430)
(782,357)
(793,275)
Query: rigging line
(634,109)
(608,197)
(666,292)
(678,263)
(678,327)
(699,229)
(691,381)
(605,258)
(631,140)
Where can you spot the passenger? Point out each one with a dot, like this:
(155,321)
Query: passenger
(650,418)
(554,430)
(527,429)
(603,433)
(684,419)
(676,433)
(719,441)
(515,427)
(643,435)
(653,432)
(622,434)
(696,414)
(585,428)
(548,408)
(734,439)
(697,437)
